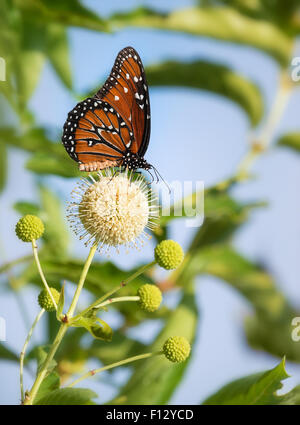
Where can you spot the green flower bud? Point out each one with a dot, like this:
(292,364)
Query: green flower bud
(150,297)
(45,301)
(176,349)
(168,254)
(29,227)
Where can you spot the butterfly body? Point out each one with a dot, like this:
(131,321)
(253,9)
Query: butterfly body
(112,128)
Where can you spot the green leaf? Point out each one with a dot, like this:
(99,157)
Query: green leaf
(23,208)
(7,354)
(32,140)
(68,13)
(155,379)
(222,216)
(49,384)
(254,283)
(28,72)
(95,326)
(41,163)
(121,347)
(3,165)
(222,23)
(40,354)
(57,50)
(212,77)
(56,235)
(292,397)
(68,396)
(257,389)
(290,140)
(269,328)
(61,303)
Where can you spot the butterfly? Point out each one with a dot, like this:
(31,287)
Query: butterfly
(112,128)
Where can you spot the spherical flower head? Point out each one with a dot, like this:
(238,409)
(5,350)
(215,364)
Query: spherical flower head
(176,349)
(168,254)
(113,211)
(29,227)
(150,297)
(45,300)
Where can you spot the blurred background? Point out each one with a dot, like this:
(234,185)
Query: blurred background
(225,111)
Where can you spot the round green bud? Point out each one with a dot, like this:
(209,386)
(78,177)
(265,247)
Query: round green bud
(29,227)
(177,349)
(45,300)
(150,297)
(168,254)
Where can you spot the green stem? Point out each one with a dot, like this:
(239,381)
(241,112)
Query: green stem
(264,139)
(111,366)
(38,317)
(36,257)
(114,290)
(117,300)
(42,374)
(61,332)
(82,280)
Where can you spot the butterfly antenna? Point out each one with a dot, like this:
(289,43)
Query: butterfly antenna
(158,175)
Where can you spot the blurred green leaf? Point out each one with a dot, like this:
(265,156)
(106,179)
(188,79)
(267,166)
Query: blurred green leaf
(57,49)
(222,216)
(67,12)
(102,277)
(269,328)
(49,384)
(121,347)
(155,379)
(254,283)
(68,396)
(222,23)
(292,397)
(7,354)
(211,77)
(41,163)
(290,140)
(56,235)
(3,165)
(32,140)
(256,389)
(23,208)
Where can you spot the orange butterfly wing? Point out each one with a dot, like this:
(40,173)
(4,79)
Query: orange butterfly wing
(99,131)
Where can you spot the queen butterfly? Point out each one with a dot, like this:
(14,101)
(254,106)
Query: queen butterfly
(112,128)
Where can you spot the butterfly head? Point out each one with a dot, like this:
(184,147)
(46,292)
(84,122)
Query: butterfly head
(133,161)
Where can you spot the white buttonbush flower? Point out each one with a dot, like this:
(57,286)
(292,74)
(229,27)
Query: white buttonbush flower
(113,211)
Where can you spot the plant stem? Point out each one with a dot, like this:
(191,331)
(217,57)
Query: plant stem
(115,289)
(264,139)
(111,366)
(117,300)
(38,317)
(61,332)
(82,280)
(42,374)
(36,257)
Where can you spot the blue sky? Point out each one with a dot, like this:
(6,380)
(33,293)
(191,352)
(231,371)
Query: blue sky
(195,136)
